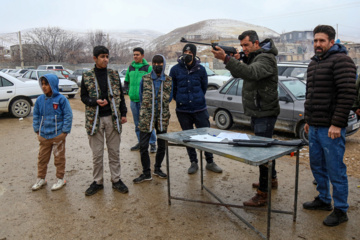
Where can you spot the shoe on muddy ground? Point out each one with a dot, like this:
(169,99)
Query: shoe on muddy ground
(58,185)
(152,148)
(259,200)
(335,218)
(317,204)
(160,173)
(94,188)
(136,147)
(274,184)
(142,178)
(193,168)
(120,187)
(213,167)
(39,183)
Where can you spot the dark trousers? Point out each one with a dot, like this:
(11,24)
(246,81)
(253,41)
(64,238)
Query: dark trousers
(187,121)
(264,127)
(144,151)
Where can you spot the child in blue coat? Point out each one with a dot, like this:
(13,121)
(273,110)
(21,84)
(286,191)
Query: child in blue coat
(52,122)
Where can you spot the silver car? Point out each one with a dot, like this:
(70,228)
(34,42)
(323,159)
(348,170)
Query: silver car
(225,106)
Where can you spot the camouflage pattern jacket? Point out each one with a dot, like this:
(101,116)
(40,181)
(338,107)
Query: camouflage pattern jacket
(147,109)
(116,97)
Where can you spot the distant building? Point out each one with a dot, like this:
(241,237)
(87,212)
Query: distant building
(297,36)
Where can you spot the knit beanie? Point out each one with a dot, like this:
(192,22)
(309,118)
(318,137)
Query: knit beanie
(190,47)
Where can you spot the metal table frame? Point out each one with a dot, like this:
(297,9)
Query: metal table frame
(202,147)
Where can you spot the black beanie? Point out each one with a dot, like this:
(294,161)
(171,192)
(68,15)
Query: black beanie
(190,47)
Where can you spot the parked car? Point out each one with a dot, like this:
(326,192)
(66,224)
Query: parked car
(17,96)
(49,67)
(123,72)
(77,75)
(66,87)
(293,69)
(225,106)
(64,73)
(7,70)
(215,81)
(18,72)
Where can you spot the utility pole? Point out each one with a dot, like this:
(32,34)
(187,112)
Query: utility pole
(108,39)
(21,51)
(337,32)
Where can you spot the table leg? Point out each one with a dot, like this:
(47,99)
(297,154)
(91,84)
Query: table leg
(201,169)
(168,170)
(296,184)
(270,165)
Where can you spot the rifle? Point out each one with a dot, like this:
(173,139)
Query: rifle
(255,143)
(228,50)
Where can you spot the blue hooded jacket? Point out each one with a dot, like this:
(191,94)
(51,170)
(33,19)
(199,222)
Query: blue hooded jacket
(189,86)
(52,115)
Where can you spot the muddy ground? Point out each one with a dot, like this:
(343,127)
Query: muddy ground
(144,212)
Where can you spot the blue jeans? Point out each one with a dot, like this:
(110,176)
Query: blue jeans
(326,162)
(135,109)
(200,120)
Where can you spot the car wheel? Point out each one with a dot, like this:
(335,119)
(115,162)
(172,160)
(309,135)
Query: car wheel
(71,95)
(302,134)
(20,108)
(211,88)
(223,119)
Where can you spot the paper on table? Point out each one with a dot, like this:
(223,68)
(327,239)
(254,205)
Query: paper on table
(232,136)
(206,137)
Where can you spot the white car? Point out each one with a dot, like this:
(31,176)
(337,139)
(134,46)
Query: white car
(66,87)
(18,72)
(17,96)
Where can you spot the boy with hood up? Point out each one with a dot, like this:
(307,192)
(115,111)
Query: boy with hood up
(155,95)
(52,122)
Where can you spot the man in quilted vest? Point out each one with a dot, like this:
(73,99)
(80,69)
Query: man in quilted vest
(155,95)
(105,112)
(330,93)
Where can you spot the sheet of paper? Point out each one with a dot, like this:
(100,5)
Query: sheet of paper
(206,137)
(231,136)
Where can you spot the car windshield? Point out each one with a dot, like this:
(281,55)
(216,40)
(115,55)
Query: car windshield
(209,72)
(58,74)
(296,87)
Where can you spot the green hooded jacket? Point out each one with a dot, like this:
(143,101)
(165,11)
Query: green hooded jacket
(260,74)
(133,77)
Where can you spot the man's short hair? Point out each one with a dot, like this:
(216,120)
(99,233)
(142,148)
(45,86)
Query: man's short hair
(44,79)
(139,49)
(100,50)
(251,34)
(158,59)
(328,30)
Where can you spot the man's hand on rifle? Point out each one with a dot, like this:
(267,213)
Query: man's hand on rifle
(219,53)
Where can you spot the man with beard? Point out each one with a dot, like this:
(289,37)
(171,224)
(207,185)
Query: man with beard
(259,96)
(330,93)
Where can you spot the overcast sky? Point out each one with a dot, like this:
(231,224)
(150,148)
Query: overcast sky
(165,16)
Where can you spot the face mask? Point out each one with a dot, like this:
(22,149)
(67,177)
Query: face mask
(187,58)
(157,69)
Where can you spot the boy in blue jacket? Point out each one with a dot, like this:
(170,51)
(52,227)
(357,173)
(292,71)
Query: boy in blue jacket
(52,122)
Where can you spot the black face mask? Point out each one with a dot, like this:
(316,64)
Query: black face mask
(187,58)
(157,68)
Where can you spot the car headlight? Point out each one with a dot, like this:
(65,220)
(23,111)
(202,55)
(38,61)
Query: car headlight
(74,85)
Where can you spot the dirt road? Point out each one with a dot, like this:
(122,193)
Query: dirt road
(144,212)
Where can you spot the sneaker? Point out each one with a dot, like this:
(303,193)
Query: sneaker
(120,187)
(142,178)
(335,218)
(59,184)
(317,204)
(152,148)
(160,173)
(274,184)
(94,188)
(39,183)
(259,200)
(193,168)
(136,147)
(213,167)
